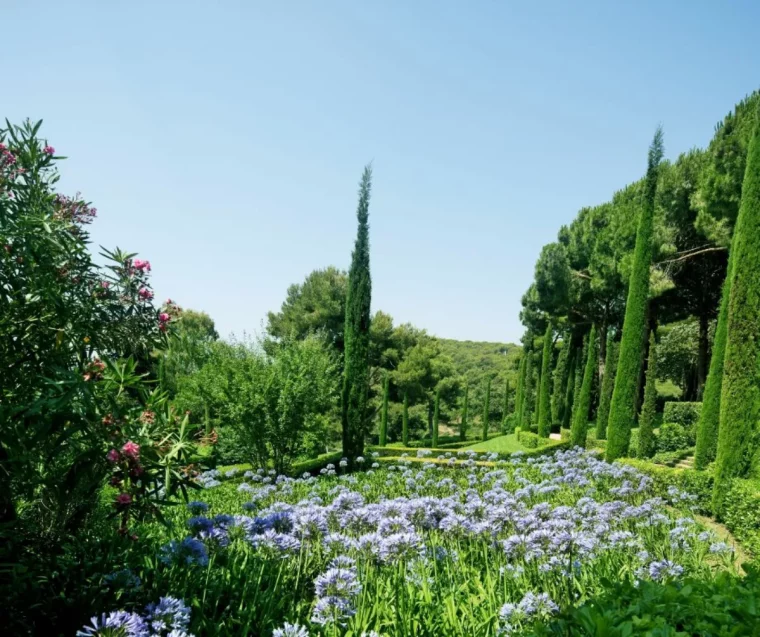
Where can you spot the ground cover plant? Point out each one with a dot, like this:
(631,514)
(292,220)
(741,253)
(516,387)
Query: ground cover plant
(419,548)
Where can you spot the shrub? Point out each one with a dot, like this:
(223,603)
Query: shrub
(672,437)
(741,513)
(528,439)
(229,448)
(633,448)
(564,435)
(682,413)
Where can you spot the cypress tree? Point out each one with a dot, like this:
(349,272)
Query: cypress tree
(463,425)
(646,419)
(434,441)
(580,418)
(560,378)
(544,399)
(505,413)
(486,409)
(384,413)
(526,409)
(356,334)
(605,395)
(405,420)
(567,415)
(740,393)
(623,405)
(520,393)
(707,426)
(578,380)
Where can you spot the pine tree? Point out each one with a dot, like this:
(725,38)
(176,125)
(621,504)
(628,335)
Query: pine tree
(623,405)
(356,335)
(526,409)
(605,395)
(559,379)
(567,415)
(486,409)
(737,452)
(709,417)
(646,419)
(580,419)
(436,412)
(463,424)
(405,420)
(544,399)
(384,413)
(505,413)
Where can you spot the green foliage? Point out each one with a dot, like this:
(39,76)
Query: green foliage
(623,405)
(580,418)
(707,427)
(671,458)
(357,326)
(528,439)
(691,607)
(486,409)
(436,414)
(567,416)
(526,406)
(608,383)
(740,393)
(646,439)
(505,409)
(405,421)
(544,398)
(463,423)
(635,444)
(580,367)
(384,415)
(672,437)
(740,512)
(683,413)
(230,448)
(520,392)
(559,377)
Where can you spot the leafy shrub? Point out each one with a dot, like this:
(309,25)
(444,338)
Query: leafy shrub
(682,413)
(564,434)
(741,513)
(672,437)
(633,447)
(229,448)
(529,440)
(689,607)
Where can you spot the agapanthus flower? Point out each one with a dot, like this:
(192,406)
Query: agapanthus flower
(128,624)
(290,630)
(169,613)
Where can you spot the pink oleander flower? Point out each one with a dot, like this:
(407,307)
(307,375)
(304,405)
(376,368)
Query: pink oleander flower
(49,150)
(145,293)
(113,456)
(131,449)
(123,499)
(141,265)
(164,317)
(105,285)
(168,302)
(2,147)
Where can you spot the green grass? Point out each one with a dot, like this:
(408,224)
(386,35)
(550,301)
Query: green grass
(501,444)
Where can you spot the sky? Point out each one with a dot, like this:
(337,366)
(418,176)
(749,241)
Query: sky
(224,141)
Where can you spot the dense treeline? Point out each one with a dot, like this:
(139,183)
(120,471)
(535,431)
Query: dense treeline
(648,267)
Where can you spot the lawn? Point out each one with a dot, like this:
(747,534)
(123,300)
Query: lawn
(500,444)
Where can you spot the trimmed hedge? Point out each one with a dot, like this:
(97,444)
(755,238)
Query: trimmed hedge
(682,413)
(672,437)
(528,439)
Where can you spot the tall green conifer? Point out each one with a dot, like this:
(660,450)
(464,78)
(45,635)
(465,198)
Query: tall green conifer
(646,419)
(737,453)
(356,334)
(505,413)
(436,412)
(623,405)
(544,399)
(605,394)
(463,424)
(580,418)
(526,409)
(384,413)
(405,420)
(559,378)
(567,415)
(520,393)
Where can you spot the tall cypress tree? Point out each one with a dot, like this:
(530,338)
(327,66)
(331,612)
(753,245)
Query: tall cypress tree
(580,418)
(605,395)
(486,409)
(623,405)
(384,413)
(526,408)
(709,417)
(559,379)
(567,415)
(356,335)
(520,393)
(405,420)
(463,424)
(646,419)
(505,413)
(580,367)
(544,399)
(737,452)
(436,412)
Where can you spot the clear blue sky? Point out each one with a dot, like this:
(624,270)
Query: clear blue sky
(224,141)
